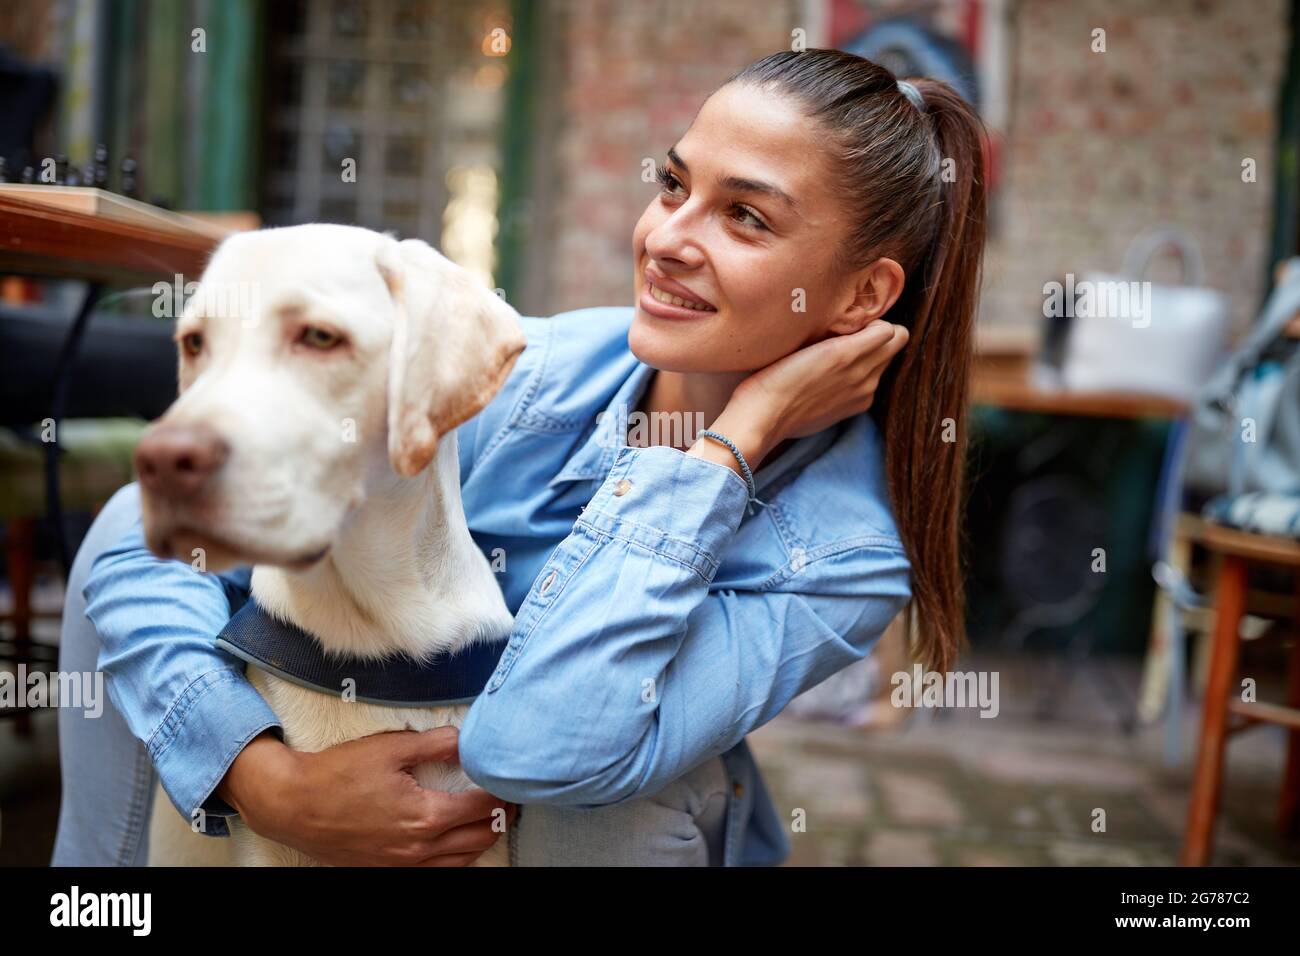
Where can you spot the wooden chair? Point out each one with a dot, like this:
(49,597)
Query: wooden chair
(1224,712)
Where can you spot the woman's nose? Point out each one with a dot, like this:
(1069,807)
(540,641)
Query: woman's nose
(673,241)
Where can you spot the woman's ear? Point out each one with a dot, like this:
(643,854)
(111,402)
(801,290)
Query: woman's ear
(873,292)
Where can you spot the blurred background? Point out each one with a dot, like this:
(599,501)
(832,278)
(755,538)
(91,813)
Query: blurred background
(1133,145)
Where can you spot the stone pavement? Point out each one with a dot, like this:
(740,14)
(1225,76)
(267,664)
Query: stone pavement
(954,789)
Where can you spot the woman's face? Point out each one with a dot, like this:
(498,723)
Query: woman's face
(745,230)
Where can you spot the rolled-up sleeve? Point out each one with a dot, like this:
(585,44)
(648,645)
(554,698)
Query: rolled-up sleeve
(626,668)
(186,700)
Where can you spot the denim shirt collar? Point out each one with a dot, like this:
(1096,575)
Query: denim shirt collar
(595,456)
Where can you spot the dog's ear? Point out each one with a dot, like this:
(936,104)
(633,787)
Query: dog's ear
(454,344)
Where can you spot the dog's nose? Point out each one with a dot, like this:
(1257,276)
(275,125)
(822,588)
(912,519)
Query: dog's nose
(175,460)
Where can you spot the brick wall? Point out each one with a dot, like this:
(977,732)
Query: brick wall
(636,74)
(1154,130)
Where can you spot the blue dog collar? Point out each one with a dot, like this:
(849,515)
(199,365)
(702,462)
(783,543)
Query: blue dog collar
(290,653)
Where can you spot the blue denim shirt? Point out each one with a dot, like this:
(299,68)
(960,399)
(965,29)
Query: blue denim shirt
(657,621)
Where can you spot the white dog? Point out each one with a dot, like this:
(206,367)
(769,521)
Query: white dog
(322,372)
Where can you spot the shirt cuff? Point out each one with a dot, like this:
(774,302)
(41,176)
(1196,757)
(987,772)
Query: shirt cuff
(679,505)
(199,739)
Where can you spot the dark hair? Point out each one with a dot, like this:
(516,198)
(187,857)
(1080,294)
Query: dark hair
(913,179)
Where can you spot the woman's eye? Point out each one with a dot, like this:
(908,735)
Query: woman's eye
(747,217)
(667,181)
(318,338)
(192,343)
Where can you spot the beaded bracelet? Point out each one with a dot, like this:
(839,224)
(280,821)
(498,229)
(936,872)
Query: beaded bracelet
(744,465)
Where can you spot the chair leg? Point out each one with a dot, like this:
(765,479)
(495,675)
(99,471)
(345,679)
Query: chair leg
(1207,784)
(20,559)
(1288,811)
(1158,670)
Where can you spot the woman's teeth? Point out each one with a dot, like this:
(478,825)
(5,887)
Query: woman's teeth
(659,295)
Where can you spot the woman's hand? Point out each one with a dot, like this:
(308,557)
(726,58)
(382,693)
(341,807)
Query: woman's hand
(358,804)
(805,391)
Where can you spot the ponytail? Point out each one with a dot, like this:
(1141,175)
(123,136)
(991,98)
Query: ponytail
(922,402)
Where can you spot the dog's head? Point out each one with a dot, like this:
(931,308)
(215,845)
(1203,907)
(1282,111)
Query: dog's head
(314,362)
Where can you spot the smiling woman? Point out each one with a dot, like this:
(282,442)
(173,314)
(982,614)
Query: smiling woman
(813,195)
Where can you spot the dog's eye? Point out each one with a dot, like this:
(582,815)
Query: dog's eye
(192,343)
(319,338)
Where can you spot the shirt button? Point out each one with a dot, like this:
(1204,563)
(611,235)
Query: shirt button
(546,585)
(622,488)
(739,789)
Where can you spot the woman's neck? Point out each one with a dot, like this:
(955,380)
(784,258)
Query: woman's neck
(690,393)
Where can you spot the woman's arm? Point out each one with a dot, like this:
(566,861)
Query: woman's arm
(187,701)
(625,672)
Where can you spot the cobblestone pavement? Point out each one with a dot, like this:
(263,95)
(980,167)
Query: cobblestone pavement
(954,789)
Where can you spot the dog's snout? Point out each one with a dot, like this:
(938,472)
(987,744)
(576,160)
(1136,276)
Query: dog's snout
(176,460)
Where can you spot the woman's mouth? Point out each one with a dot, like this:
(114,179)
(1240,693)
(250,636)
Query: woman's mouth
(669,305)
(669,299)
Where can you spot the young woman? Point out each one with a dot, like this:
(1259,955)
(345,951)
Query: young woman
(806,282)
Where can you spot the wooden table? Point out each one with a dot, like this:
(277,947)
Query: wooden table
(1020,396)
(41,239)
